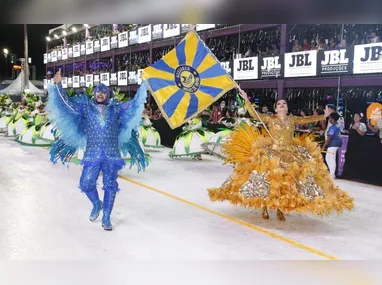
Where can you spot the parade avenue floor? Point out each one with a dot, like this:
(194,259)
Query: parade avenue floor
(164,213)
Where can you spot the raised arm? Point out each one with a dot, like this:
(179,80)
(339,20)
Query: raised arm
(130,114)
(58,97)
(311,119)
(58,90)
(308,119)
(259,117)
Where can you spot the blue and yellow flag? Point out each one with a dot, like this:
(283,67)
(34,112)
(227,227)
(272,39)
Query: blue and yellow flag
(187,80)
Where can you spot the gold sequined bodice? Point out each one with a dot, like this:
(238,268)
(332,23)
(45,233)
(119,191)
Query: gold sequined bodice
(282,129)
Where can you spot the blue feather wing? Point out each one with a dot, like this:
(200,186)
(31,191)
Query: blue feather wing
(130,120)
(67,117)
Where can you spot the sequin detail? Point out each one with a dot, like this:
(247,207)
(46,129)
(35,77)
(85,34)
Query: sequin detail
(310,189)
(227,182)
(257,186)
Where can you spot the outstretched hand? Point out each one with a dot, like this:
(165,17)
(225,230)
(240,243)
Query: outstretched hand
(243,94)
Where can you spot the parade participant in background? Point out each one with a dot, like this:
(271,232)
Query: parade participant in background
(190,141)
(149,135)
(279,171)
(105,129)
(33,133)
(333,142)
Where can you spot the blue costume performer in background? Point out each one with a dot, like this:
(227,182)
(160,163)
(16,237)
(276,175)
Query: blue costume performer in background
(105,129)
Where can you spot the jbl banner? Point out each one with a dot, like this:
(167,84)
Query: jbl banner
(89,80)
(105,78)
(70,82)
(113,79)
(76,51)
(336,61)
(271,67)
(64,54)
(82,81)
(105,44)
(76,81)
(122,78)
(123,40)
(157,32)
(96,46)
(83,49)
(144,34)
(96,80)
(171,30)
(114,42)
(301,64)
(245,68)
(89,47)
(133,37)
(368,58)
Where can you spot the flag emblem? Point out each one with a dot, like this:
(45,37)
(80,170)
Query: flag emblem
(187,80)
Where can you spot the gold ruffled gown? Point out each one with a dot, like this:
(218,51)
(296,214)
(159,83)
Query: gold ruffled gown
(287,174)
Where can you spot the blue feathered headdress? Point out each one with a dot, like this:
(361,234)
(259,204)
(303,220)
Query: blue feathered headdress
(102,88)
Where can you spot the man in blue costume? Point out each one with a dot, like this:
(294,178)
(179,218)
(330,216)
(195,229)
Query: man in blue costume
(105,129)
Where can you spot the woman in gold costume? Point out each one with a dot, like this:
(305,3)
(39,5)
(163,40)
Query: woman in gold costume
(279,171)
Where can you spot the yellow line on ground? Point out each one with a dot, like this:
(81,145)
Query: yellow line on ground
(234,220)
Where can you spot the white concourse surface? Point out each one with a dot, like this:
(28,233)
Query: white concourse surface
(165,214)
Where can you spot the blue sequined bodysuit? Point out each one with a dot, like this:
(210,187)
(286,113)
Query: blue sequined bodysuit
(104,130)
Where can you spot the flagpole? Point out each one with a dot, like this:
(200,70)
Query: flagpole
(259,117)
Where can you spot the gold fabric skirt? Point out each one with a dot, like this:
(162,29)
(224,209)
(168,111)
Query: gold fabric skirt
(289,178)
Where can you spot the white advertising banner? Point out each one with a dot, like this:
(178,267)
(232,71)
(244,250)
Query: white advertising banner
(171,30)
(245,68)
(96,80)
(105,78)
(300,64)
(201,27)
(122,78)
(144,34)
(367,58)
(123,40)
(157,32)
(89,47)
(83,49)
(76,81)
(64,54)
(139,74)
(96,46)
(76,51)
(54,56)
(133,37)
(114,42)
(82,81)
(132,77)
(89,80)
(113,79)
(105,44)
(64,82)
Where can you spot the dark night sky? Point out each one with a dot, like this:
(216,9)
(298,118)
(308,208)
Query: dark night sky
(12,38)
